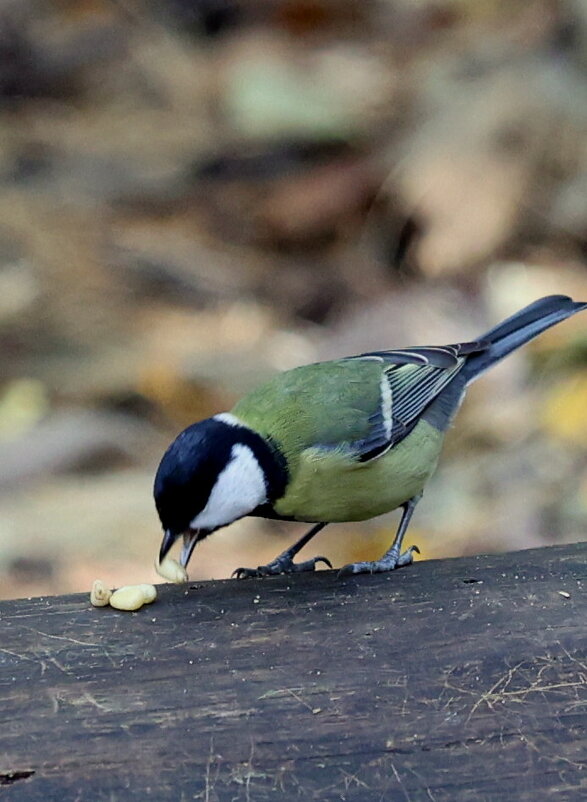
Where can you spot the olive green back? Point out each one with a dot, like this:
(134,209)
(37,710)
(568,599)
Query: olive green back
(327,403)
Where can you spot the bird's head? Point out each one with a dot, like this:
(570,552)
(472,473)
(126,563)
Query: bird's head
(214,472)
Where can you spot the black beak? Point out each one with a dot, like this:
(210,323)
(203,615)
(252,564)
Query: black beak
(169,539)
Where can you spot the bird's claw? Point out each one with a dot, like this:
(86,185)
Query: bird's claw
(388,562)
(407,558)
(283,564)
(245,573)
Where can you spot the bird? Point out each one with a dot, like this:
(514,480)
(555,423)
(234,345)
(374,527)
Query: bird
(342,440)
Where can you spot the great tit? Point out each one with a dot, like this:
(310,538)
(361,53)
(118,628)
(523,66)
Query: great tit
(343,440)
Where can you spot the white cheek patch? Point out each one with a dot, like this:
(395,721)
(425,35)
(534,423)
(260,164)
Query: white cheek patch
(239,488)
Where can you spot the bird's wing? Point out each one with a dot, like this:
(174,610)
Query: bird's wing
(362,404)
(411,379)
(438,356)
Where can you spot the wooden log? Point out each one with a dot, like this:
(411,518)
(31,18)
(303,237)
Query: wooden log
(459,679)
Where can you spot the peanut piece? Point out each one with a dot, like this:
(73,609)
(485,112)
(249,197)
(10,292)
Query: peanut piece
(171,570)
(149,593)
(100,596)
(128,597)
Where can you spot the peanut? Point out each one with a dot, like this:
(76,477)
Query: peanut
(171,570)
(132,597)
(149,593)
(100,596)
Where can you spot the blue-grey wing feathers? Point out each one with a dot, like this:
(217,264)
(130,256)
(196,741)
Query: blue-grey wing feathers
(411,379)
(438,356)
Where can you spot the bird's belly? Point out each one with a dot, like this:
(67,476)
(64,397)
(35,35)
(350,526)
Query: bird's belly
(328,486)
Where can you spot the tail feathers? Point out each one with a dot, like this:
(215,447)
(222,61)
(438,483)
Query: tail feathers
(518,330)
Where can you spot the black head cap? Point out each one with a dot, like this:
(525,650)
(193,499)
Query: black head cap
(192,463)
(187,473)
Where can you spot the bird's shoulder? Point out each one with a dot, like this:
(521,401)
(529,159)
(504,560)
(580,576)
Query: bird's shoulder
(321,403)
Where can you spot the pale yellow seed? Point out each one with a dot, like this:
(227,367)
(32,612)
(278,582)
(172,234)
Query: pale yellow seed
(100,596)
(129,597)
(149,593)
(171,570)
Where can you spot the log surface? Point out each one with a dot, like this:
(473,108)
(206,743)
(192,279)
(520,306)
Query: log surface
(460,679)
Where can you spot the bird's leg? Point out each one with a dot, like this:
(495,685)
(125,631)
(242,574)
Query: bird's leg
(284,564)
(393,557)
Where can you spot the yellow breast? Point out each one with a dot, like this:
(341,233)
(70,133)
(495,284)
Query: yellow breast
(328,486)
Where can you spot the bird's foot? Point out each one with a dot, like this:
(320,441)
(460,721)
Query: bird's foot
(283,564)
(393,559)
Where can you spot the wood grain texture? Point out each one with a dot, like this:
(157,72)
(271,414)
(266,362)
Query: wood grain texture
(451,680)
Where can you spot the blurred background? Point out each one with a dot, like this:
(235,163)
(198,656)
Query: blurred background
(198,193)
